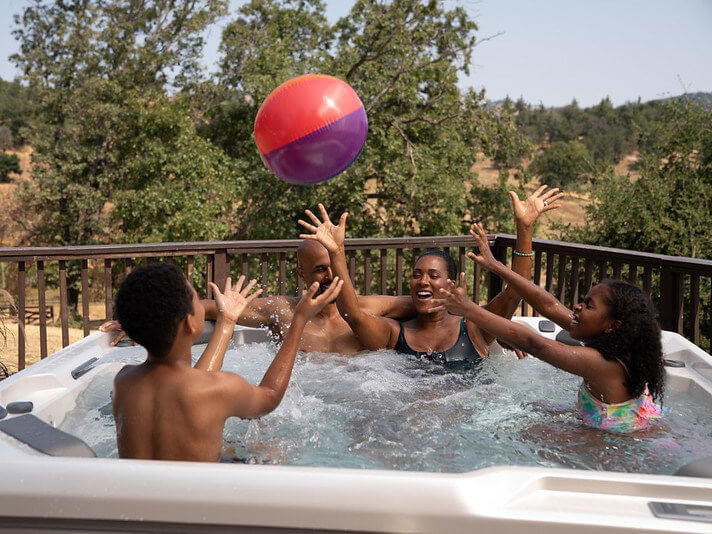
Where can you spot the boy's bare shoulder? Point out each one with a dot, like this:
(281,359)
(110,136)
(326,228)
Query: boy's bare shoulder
(126,373)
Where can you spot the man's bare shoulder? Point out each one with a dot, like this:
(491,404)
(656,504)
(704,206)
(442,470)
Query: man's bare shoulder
(388,306)
(281,307)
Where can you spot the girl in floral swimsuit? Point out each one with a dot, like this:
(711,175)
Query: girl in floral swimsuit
(621,358)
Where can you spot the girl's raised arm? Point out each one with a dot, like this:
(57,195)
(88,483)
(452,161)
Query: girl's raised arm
(538,298)
(582,361)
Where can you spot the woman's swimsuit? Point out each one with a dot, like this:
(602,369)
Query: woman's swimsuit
(462,352)
(628,416)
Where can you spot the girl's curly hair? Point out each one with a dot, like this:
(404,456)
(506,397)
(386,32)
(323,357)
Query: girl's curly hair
(636,343)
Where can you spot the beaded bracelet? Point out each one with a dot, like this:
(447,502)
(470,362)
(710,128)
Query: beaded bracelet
(525,254)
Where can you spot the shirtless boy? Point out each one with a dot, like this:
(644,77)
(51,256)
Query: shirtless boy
(164,408)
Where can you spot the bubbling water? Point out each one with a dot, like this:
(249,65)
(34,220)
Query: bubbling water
(382,410)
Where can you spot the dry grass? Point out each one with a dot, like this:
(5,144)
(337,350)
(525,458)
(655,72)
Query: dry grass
(570,212)
(10,231)
(8,352)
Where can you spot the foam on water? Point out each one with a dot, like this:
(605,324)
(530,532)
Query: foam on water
(382,410)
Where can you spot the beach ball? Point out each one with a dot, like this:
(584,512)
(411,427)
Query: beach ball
(310,128)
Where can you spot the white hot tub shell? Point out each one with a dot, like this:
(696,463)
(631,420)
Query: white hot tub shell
(74,493)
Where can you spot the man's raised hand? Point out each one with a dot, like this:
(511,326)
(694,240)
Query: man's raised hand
(324,231)
(233,301)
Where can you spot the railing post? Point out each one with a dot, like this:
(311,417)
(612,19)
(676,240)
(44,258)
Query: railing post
(220,268)
(671,300)
(20,315)
(499,251)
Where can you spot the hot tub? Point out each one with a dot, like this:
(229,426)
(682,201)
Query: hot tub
(51,479)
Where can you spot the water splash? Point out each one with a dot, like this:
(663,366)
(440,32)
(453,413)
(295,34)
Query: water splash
(383,410)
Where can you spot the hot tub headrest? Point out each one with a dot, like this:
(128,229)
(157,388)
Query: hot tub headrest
(698,468)
(565,337)
(42,437)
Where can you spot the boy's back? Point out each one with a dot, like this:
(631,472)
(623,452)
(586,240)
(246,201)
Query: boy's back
(168,413)
(166,409)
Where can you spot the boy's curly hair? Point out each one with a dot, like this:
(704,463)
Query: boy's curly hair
(636,343)
(150,304)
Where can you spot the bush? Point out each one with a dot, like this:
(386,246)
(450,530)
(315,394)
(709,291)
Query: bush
(565,164)
(668,210)
(8,163)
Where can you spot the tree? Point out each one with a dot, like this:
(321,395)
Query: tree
(172,185)
(564,164)
(87,61)
(668,210)
(6,140)
(403,59)
(8,163)
(131,138)
(16,109)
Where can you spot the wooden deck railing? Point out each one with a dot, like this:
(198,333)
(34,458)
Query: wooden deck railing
(679,286)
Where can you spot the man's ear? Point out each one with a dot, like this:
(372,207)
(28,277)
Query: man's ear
(615,325)
(300,272)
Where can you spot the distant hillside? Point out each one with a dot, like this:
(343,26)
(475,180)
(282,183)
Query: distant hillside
(703,98)
(609,133)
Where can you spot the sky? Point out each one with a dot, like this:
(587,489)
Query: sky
(550,51)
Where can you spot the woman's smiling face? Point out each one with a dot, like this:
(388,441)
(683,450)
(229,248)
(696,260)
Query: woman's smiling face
(429,275)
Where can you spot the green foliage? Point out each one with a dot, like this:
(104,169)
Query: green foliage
(8,163)
(16,108)
(565,164)
(403,59)
(668,210)
(172,184)
(133,143)
(91,64)
(608,133)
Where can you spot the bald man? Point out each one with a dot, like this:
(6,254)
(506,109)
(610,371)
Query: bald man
(327,331)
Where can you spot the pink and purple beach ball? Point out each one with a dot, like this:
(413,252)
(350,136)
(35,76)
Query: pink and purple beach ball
(310,128)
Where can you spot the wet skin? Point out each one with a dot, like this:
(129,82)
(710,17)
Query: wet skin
(167,409)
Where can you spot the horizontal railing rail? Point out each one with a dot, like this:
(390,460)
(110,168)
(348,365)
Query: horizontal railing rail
(679,286)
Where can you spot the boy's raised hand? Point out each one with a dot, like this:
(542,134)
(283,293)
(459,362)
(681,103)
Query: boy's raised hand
(328,234)
(308,306)
(540,201)
(454,299)
(485,258)
(232,302)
